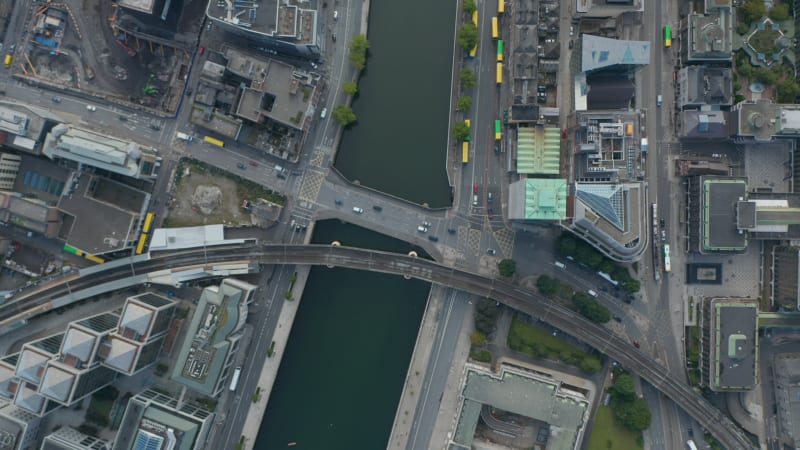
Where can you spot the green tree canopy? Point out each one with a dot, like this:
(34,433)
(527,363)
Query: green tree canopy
(486,312)
(350,87)
(779,12)
(787,91)
(468,36)
(469,7)
(765,75)
(753,10)
(358,51)
(590,365)
(468,78)
(624,388)
(507,267)
(477,338)
(591,308)
(461,130)
(634,415)
(464,103)
(547,285)
(344,115)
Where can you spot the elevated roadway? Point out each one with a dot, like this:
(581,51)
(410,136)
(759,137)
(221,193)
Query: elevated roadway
(39,299)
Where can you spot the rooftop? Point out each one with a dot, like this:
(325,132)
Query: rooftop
(609,92)
(538,199)
(763,120)
(700,85)
(538,150)
(285,20)
(720,196)
(600,52)
(145,6)
(710,35)
(735,343)
(711,124)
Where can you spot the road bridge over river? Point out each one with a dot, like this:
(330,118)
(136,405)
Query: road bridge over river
(40,299)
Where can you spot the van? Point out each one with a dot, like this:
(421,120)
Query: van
(659,100)
(185,137)
(475,200)
(593,293)
(561,265)
(323,113)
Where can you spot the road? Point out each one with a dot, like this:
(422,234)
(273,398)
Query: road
(599,337)
(454,312)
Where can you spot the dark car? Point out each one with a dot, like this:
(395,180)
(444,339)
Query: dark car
(57,99)
(451,230)
(636,344)
(253,163)
(241,166)
(618,319)
(433,238)
(663,223)
(377,208)
(570,44)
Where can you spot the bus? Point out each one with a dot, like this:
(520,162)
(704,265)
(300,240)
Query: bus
(607,277)
(464,152)
(469,124)
(148,222)
(214,141)
(235,378)
(667,36)
(498,130)
(495,32)
(475,18)
(78,252)
(499,73)
(690,445)
(499,50)
(501,6)
(142,242)
(667,264)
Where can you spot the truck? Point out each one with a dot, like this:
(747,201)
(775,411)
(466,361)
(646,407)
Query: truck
(214,141)
(644,145)
(185,137)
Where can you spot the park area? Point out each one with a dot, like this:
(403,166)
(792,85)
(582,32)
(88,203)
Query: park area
(206,195)
(537,342)
(607,434)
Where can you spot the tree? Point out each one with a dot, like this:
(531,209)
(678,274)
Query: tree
(787,91)
(634,415)
(485,315)
(779,12)
(765,75)
(507,267)
(753,10)
(464,103)
(468,36)
(547,285)
(358,51)
(624,388)
(344,115)
(350,87)
(632,285)
(469,7)
(468,78)
(590,308)
(461,130)
(477,338)
(567,245)
(590,365)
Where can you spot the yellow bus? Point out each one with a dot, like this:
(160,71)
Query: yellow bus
(501,6)
(214,141)
(465,152)
(141,244)
(475,18)
(494,28)
(499,73)
(469,124)
(148,222)
(9,58)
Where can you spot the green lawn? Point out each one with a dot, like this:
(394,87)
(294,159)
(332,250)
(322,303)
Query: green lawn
(538,342)
(607,435)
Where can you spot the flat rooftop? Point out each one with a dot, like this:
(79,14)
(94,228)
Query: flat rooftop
(736,344)
(720,197)
(145,6)
(102,214)
(270,18)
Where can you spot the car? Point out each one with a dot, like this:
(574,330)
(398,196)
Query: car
(323,113)
(338,202)
(201,50)
(122,118)
(91,108)
(663,223)
(357,210)
(12,48)
(336,15)
(451,230)
(422,229)
(433,238)
(155,126)
(426,224)
(490,213)
(253,163)
(333,36)
(636,344)
(241,166)
(570,44)
(56,99)
(563,133)
(377,208)
(618,319)
(489,197)
(491,251)
(571,31)
(189,92)
(475,188)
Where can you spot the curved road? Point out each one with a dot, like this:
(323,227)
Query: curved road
(37,300)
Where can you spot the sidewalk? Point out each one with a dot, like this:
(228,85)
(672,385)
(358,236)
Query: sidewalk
(269,372)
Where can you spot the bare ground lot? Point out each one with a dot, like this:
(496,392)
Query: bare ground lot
(209,196)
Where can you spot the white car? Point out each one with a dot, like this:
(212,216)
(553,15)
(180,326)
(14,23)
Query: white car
(357,210)
(91,108)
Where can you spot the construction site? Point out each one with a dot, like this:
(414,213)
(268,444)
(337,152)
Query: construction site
(131,52)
